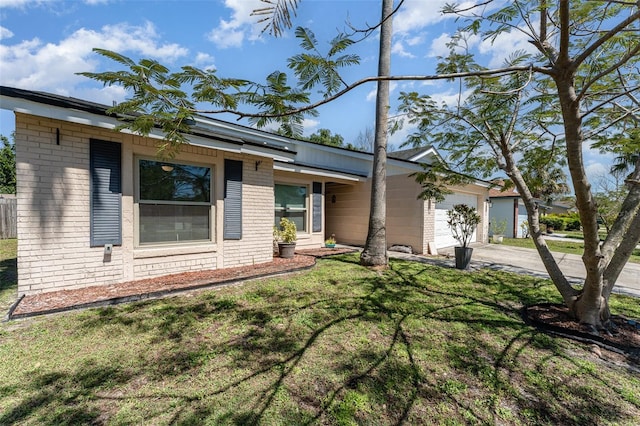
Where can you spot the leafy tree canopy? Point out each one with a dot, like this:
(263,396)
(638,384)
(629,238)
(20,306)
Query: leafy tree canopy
(7,166)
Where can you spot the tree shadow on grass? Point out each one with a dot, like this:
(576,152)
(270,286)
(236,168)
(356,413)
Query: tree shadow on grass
(386,348)
(62,398)
(571,402)
(8,283)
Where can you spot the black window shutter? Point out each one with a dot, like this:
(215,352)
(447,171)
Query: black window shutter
(317,206)
(106,192)
(232,229)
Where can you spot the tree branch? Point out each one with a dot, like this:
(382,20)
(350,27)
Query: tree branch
(588,51)
(360,82)
(609,70)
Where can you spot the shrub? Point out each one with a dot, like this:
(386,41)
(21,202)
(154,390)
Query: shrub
(553,221)
(572,222)
(287,233)
(463,220)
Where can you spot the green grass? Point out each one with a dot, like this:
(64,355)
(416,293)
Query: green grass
(339,344)
(8,273)
(571,247)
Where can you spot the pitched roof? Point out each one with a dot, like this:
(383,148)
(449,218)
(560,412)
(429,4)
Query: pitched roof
(416,154)
(497,193)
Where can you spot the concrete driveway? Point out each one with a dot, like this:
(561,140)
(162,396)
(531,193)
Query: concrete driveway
(523,260)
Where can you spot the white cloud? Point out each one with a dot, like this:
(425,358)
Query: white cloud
(21,4)
(398,49)
(310,126)
(35,65)
(205,61)
(417,14)
(451,97)
(503,46)
(5,33)
(16,3)
(232,33)
(439,45)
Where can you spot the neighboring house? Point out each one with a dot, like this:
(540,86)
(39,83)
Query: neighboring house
(508,206)
(561,207)
(98,207)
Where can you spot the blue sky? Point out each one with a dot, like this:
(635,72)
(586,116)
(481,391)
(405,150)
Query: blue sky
(44,43)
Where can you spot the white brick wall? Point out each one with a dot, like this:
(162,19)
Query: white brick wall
(53,212)
(256,245)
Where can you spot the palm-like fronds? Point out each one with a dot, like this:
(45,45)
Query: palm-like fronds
(276,16)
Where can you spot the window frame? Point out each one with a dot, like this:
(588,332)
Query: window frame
(138,202)
(306,210)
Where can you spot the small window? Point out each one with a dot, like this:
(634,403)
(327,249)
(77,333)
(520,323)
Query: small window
(174,202)
(291,202)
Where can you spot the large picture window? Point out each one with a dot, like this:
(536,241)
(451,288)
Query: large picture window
(174,202)
(291,202)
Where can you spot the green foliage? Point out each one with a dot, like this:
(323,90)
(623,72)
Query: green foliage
(415,344)
(572,222)
(277,16)
(7,166)
(157,98)
(463,220)
(553,222)
(324,137)
(609,203)
(279,100)
(287,232)
(436,179)
(562,222)
(313,68)
(498,226)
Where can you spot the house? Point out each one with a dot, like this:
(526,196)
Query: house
(507,207)
(98,207)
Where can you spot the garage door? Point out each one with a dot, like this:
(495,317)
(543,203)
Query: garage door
(443,236)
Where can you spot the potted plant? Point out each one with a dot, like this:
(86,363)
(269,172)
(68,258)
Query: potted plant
(463,220)
(286,236)
(497,230)
(330,242)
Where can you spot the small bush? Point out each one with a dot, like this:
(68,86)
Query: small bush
(572,222)
(562,222)
(553,221)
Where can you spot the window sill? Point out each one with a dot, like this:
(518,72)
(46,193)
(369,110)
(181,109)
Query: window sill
(174,250)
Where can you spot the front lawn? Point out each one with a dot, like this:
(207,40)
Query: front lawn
(339,344)
(8,274)
(571,247)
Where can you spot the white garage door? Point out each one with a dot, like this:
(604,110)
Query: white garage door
(443,236)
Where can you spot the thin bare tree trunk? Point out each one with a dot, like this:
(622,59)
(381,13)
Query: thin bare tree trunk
(375,249)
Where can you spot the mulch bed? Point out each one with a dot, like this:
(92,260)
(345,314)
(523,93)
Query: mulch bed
(555,319)
(104,295)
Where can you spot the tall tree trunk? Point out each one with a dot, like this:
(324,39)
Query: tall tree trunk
(375,249)
(590,307)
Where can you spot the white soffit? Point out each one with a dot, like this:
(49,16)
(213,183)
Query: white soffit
(305,170)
